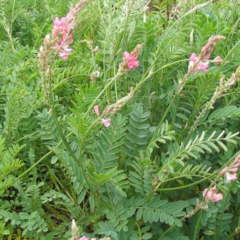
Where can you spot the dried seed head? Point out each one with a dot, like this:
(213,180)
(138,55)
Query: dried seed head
(137,50)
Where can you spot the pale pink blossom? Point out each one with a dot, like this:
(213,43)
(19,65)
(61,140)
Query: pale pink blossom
(237,164)
(212,195)
(226,171)
(217,60)
(130,60)
(231,177)
(106,122)
(233,169)
(203,66)
(195,65)
(96,110)
(84,238)
(193,57)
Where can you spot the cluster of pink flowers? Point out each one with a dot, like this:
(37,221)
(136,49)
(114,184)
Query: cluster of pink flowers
(62,35)
(130,60)
(212,195)
(196,65)
(231,172)
(201,62)
(106,122)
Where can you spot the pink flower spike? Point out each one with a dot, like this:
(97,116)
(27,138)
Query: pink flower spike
(96,110)
(231,177)
(218,60)
(106,122)
(193,57)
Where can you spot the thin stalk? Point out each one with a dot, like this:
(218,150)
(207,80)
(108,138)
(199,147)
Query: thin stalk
(196,232)
(185,186)
(222,212)
(232,235)
(55,118)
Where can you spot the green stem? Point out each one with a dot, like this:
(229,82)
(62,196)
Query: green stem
(222,212)
(185,186)
(232,235)
(82,141)
(173,226)
(196,232)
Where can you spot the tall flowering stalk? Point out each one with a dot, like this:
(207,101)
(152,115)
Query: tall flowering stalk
(57,44)
(196,64)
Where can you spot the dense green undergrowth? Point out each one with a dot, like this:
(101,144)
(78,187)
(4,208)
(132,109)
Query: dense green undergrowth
(174,131)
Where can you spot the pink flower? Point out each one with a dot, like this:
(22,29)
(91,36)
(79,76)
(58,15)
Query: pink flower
(193,57)
(217,60)
(106,122)
(195,65)
(231,177)
(237,164)
(130,60)
(62,34)
(212,195)
(203,66)
(96,110)
(234,169)
(84,238)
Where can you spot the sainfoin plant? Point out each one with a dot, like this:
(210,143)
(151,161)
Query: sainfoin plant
(120,120)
